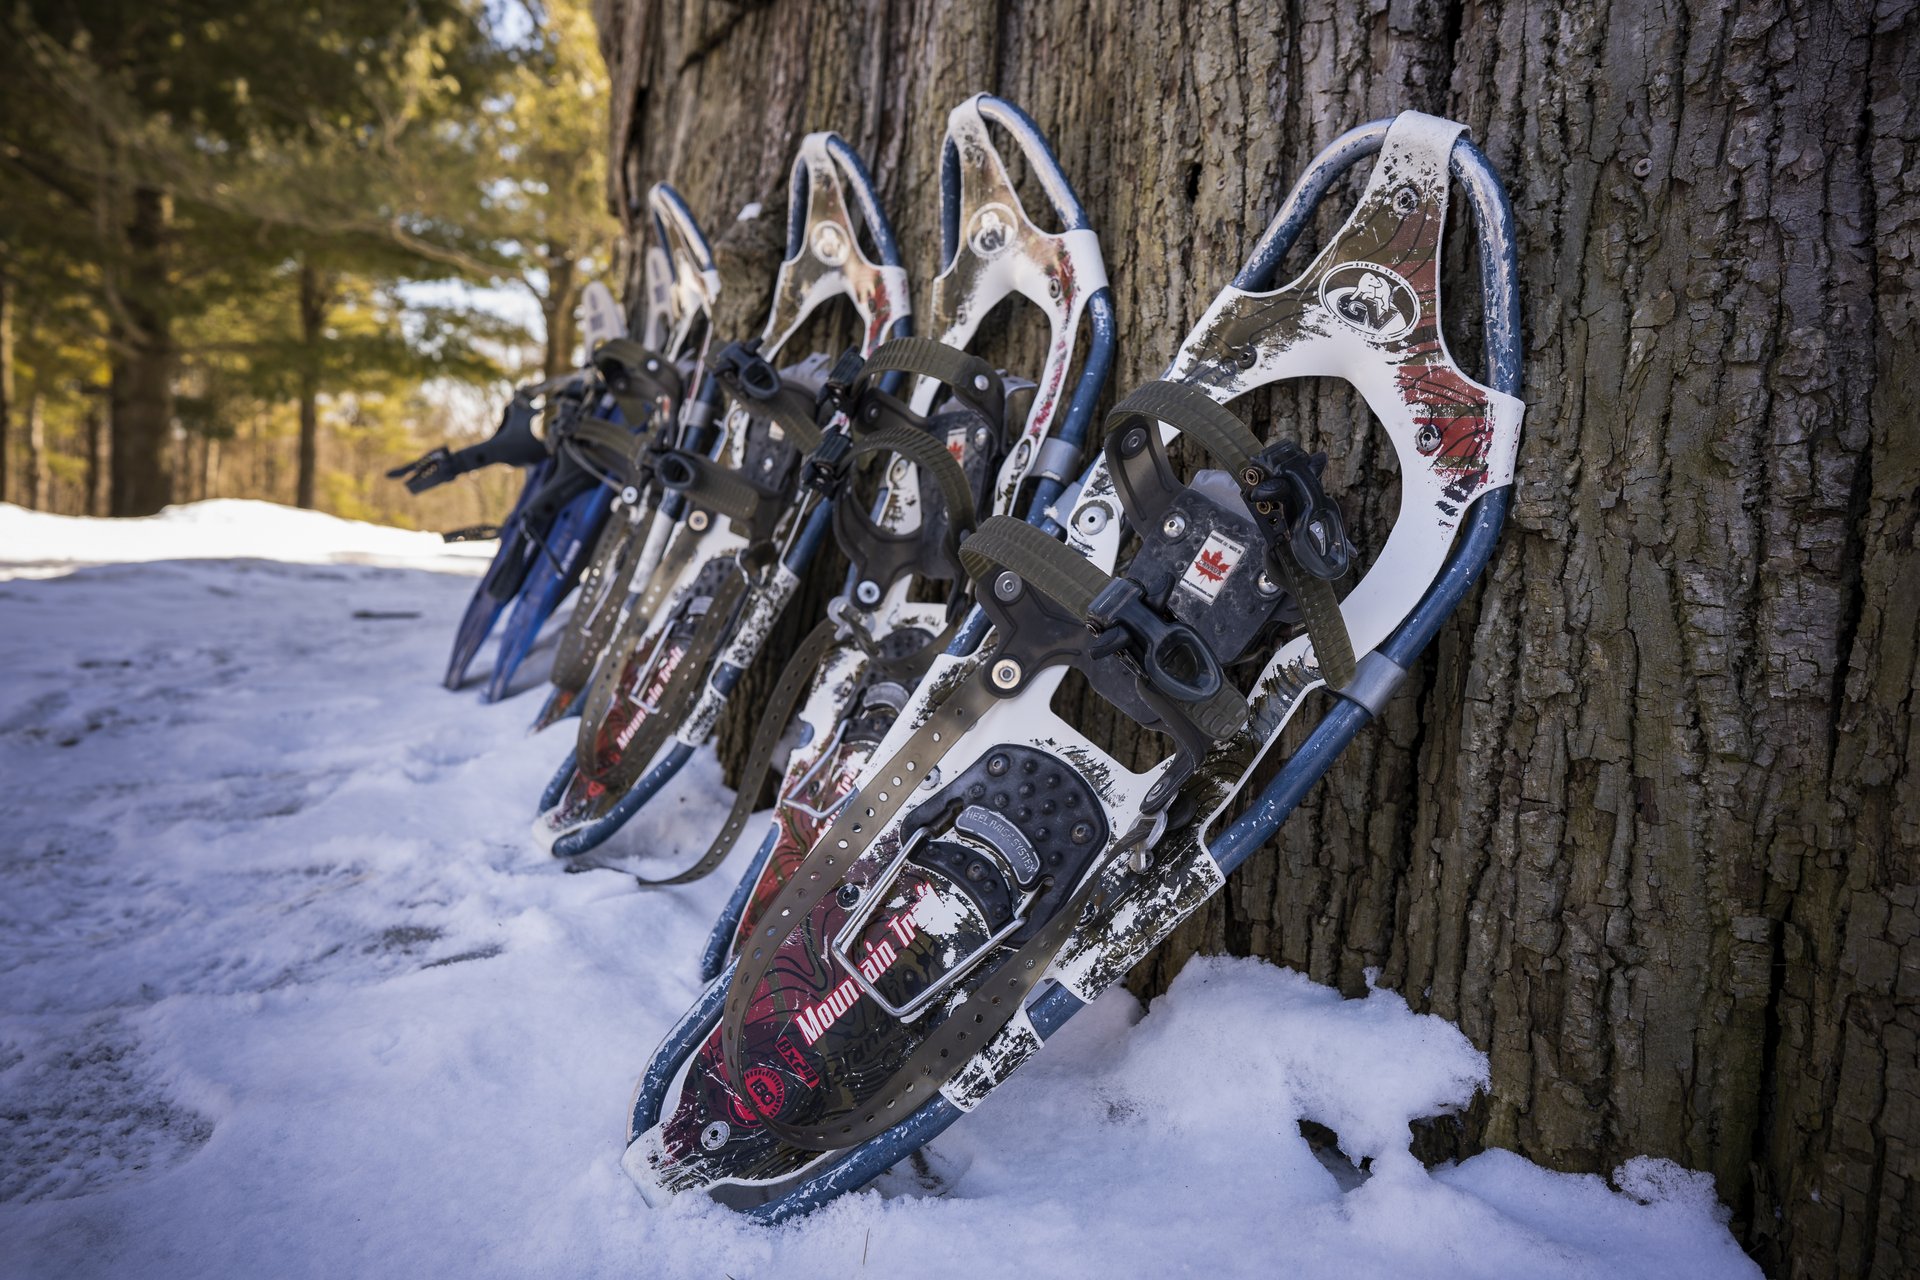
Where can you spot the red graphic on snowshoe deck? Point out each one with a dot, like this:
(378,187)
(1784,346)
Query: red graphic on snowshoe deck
(800,817)
(815,1020)
(628,714)
(797,1062)
(767,1091)
(1212,566)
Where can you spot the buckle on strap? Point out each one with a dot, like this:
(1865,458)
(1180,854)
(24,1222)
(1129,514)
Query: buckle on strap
(1171,654)
(826,471)
(744,371)
(1282,488)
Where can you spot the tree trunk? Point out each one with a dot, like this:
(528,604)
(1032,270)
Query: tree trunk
(1645,822)
(557,307)
(143,360)
(315,299)
(96,446)
(6,378)
(38,476)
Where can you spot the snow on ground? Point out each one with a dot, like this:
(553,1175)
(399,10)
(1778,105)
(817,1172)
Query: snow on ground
(285,990)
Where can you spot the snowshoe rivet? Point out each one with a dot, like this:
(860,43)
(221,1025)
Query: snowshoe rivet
(715,1135)
(867,592)
(873,411)
(1406,199)
(1427,439)
(1008,586)
(766,464)
(1139,861)
(1006,674)
(982,438)
(997,766)
(1081,833)
(1175,526)
(698,522)
(653,366)
(1253,475)
(932,779)
(980,382)
(1092,519)
(849,895)
(976,871)
(630,496)
(1266,586)
(1133,442)
(1053,286)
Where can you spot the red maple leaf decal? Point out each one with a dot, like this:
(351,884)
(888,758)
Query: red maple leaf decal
(1213,566)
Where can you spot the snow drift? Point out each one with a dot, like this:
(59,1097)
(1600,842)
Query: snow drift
(284,990)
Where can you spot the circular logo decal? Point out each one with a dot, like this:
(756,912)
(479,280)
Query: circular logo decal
(767,1089)
(829,244)
(992,231)
(1373,299)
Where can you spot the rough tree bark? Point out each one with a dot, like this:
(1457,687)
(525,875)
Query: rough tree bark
(38,477)
(316,296)
(143,361)
(556,309)
(6,378)
(96,452)
(1645,824)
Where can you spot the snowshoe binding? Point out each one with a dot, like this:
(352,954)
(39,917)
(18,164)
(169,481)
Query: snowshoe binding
(655,380)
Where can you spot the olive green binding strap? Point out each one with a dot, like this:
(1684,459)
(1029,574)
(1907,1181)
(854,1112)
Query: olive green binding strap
(719,488)
(1232,444)
(766,738)
(920,447)
(676,699)
(1047,565)
(1071,580)
(632,359)
(611,445)
(789,408)
(968,376)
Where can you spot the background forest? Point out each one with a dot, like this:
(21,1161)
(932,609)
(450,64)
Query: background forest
(263,250)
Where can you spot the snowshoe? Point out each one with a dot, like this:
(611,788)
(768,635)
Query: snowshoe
(735,558)
(656,380)
(588,440)
(996,869)
(851,677)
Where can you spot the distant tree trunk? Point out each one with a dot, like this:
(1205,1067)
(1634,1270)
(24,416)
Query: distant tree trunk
(316,296)
(556,306)
(1646,822)
(96,447)
(143,362)
(37,473)
(6,378)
